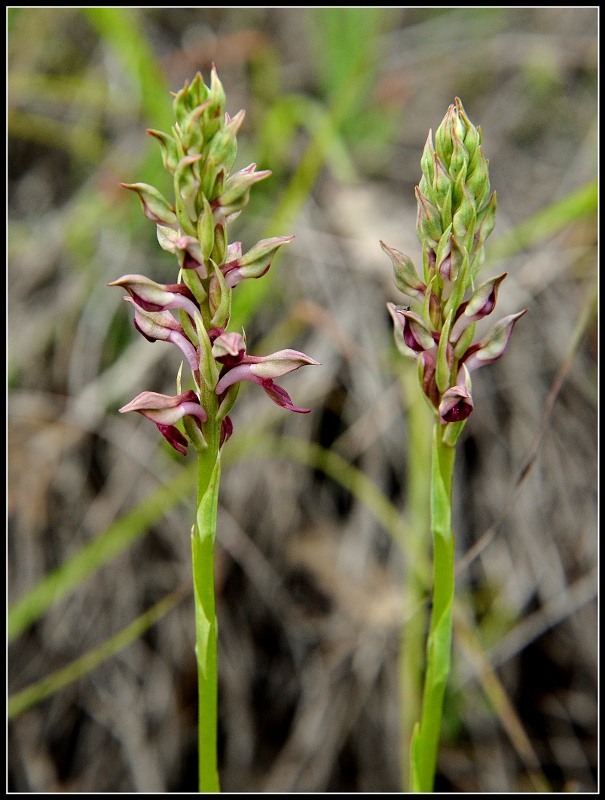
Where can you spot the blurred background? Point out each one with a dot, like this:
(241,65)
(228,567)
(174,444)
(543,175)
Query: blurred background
(318,578)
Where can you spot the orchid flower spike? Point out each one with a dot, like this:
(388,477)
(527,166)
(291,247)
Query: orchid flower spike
(199,154)
(456,214)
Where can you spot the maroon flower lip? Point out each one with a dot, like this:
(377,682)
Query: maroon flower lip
(229,349)
(165,411)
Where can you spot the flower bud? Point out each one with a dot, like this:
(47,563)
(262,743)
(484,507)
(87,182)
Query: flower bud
(427,162)
(215,108)
(170,153)
(256,262)
(443,138)
(486,220)
(472,136)
(477,179)
(236,192)
(221,155)
(187,181)
(198,91)
(464,218)
(428,220)
(193,135)
(406,277)
(155,206)
(181,104)
(442,182)
(460,158)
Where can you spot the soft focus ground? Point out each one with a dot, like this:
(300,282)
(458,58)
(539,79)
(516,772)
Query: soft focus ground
(310,586)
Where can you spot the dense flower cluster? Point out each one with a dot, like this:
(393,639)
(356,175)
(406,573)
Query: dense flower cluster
(199,155)
(456,214)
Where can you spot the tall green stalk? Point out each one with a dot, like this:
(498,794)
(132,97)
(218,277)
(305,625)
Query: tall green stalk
(199,154)
(203,535)
(417,562)
(456,214)
(425,741)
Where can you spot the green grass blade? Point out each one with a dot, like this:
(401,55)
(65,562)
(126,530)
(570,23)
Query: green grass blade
(58,680)
(545,223)
(80,142)
(88,559)
(122,533)
(344,43)
(123,33)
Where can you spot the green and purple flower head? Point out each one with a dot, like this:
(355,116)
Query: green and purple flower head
(456,214)
(200,154)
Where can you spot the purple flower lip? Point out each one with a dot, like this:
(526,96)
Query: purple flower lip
(493,345)
(189,253)
(481,303)
(456,405)
(165,411)
(163,326)
(259,369)
(229,348)
(151,296)
(416,334)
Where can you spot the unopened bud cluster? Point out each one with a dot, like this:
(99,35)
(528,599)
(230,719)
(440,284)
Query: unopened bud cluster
(456,214)
(199,155)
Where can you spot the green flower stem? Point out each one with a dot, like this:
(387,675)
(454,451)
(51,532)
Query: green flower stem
(425,741)
(203,535)
(417,562)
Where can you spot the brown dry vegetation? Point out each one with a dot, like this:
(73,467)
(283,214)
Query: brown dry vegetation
(310,586)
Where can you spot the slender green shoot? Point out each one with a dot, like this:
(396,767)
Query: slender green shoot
(21,701)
